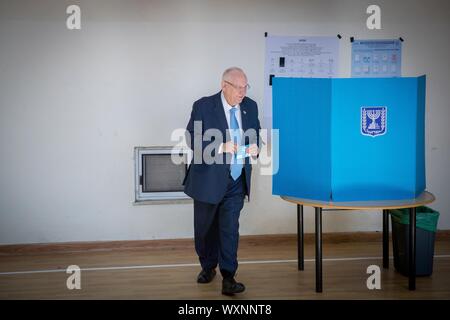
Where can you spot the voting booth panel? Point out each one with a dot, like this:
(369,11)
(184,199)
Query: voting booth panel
(354,139)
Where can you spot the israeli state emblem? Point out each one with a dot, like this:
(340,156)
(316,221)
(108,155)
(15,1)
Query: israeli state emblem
(373,121)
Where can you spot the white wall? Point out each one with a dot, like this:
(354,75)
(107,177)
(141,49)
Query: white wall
(74,104)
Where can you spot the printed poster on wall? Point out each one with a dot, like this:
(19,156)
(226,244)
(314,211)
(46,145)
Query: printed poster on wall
(299,57)
(376,58)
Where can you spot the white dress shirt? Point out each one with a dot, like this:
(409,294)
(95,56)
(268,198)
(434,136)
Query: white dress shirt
(226,109)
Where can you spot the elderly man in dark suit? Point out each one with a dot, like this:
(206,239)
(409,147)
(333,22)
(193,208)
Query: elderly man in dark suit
(223,132)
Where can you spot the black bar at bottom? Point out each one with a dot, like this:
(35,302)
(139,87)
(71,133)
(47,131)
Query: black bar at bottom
(386,239)
(412,249)
(318,249)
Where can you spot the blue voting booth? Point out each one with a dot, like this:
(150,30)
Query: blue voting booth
(352,139)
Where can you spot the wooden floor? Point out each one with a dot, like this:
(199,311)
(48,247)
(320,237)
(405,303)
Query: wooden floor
(268,268)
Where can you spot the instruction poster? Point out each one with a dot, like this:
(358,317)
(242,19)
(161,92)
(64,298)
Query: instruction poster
(376,58)
(299,57)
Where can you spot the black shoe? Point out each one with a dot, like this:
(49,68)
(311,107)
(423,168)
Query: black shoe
(230,286)
(206,275)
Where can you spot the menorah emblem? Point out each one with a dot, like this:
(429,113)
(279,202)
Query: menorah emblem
(373,115)
(373,121)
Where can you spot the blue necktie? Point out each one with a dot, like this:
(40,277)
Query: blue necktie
(236,165)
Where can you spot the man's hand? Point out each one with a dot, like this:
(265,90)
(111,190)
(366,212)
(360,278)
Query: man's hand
(229,147)
(252,150)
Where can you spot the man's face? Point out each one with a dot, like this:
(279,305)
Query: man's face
(235,88)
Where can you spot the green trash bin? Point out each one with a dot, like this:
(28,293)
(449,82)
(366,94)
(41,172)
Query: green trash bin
(426,225)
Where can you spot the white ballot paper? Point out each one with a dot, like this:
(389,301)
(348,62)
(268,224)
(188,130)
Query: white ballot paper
(241,154)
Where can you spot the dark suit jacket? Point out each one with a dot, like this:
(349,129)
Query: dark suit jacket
(207,182)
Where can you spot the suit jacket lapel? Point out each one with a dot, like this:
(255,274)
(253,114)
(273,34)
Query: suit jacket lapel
(220,114)
(244,115)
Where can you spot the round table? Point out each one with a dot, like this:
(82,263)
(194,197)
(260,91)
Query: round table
(411,204)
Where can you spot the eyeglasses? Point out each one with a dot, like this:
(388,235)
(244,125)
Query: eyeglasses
(245,88)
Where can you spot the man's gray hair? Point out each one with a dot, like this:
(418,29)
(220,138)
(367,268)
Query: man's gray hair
(226,73)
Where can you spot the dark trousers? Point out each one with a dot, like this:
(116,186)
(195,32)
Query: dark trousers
(216,229)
